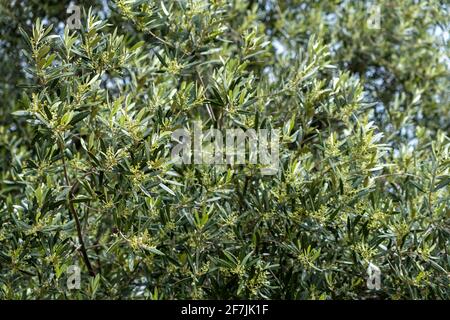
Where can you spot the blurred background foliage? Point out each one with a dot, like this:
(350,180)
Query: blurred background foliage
(85,176)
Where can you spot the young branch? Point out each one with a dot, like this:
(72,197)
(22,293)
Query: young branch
(73,212)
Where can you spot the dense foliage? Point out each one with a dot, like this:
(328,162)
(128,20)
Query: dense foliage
(86,176)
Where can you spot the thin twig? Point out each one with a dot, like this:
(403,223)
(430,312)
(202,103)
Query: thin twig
(73,211)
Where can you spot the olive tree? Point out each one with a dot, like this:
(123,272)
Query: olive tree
(88,178)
